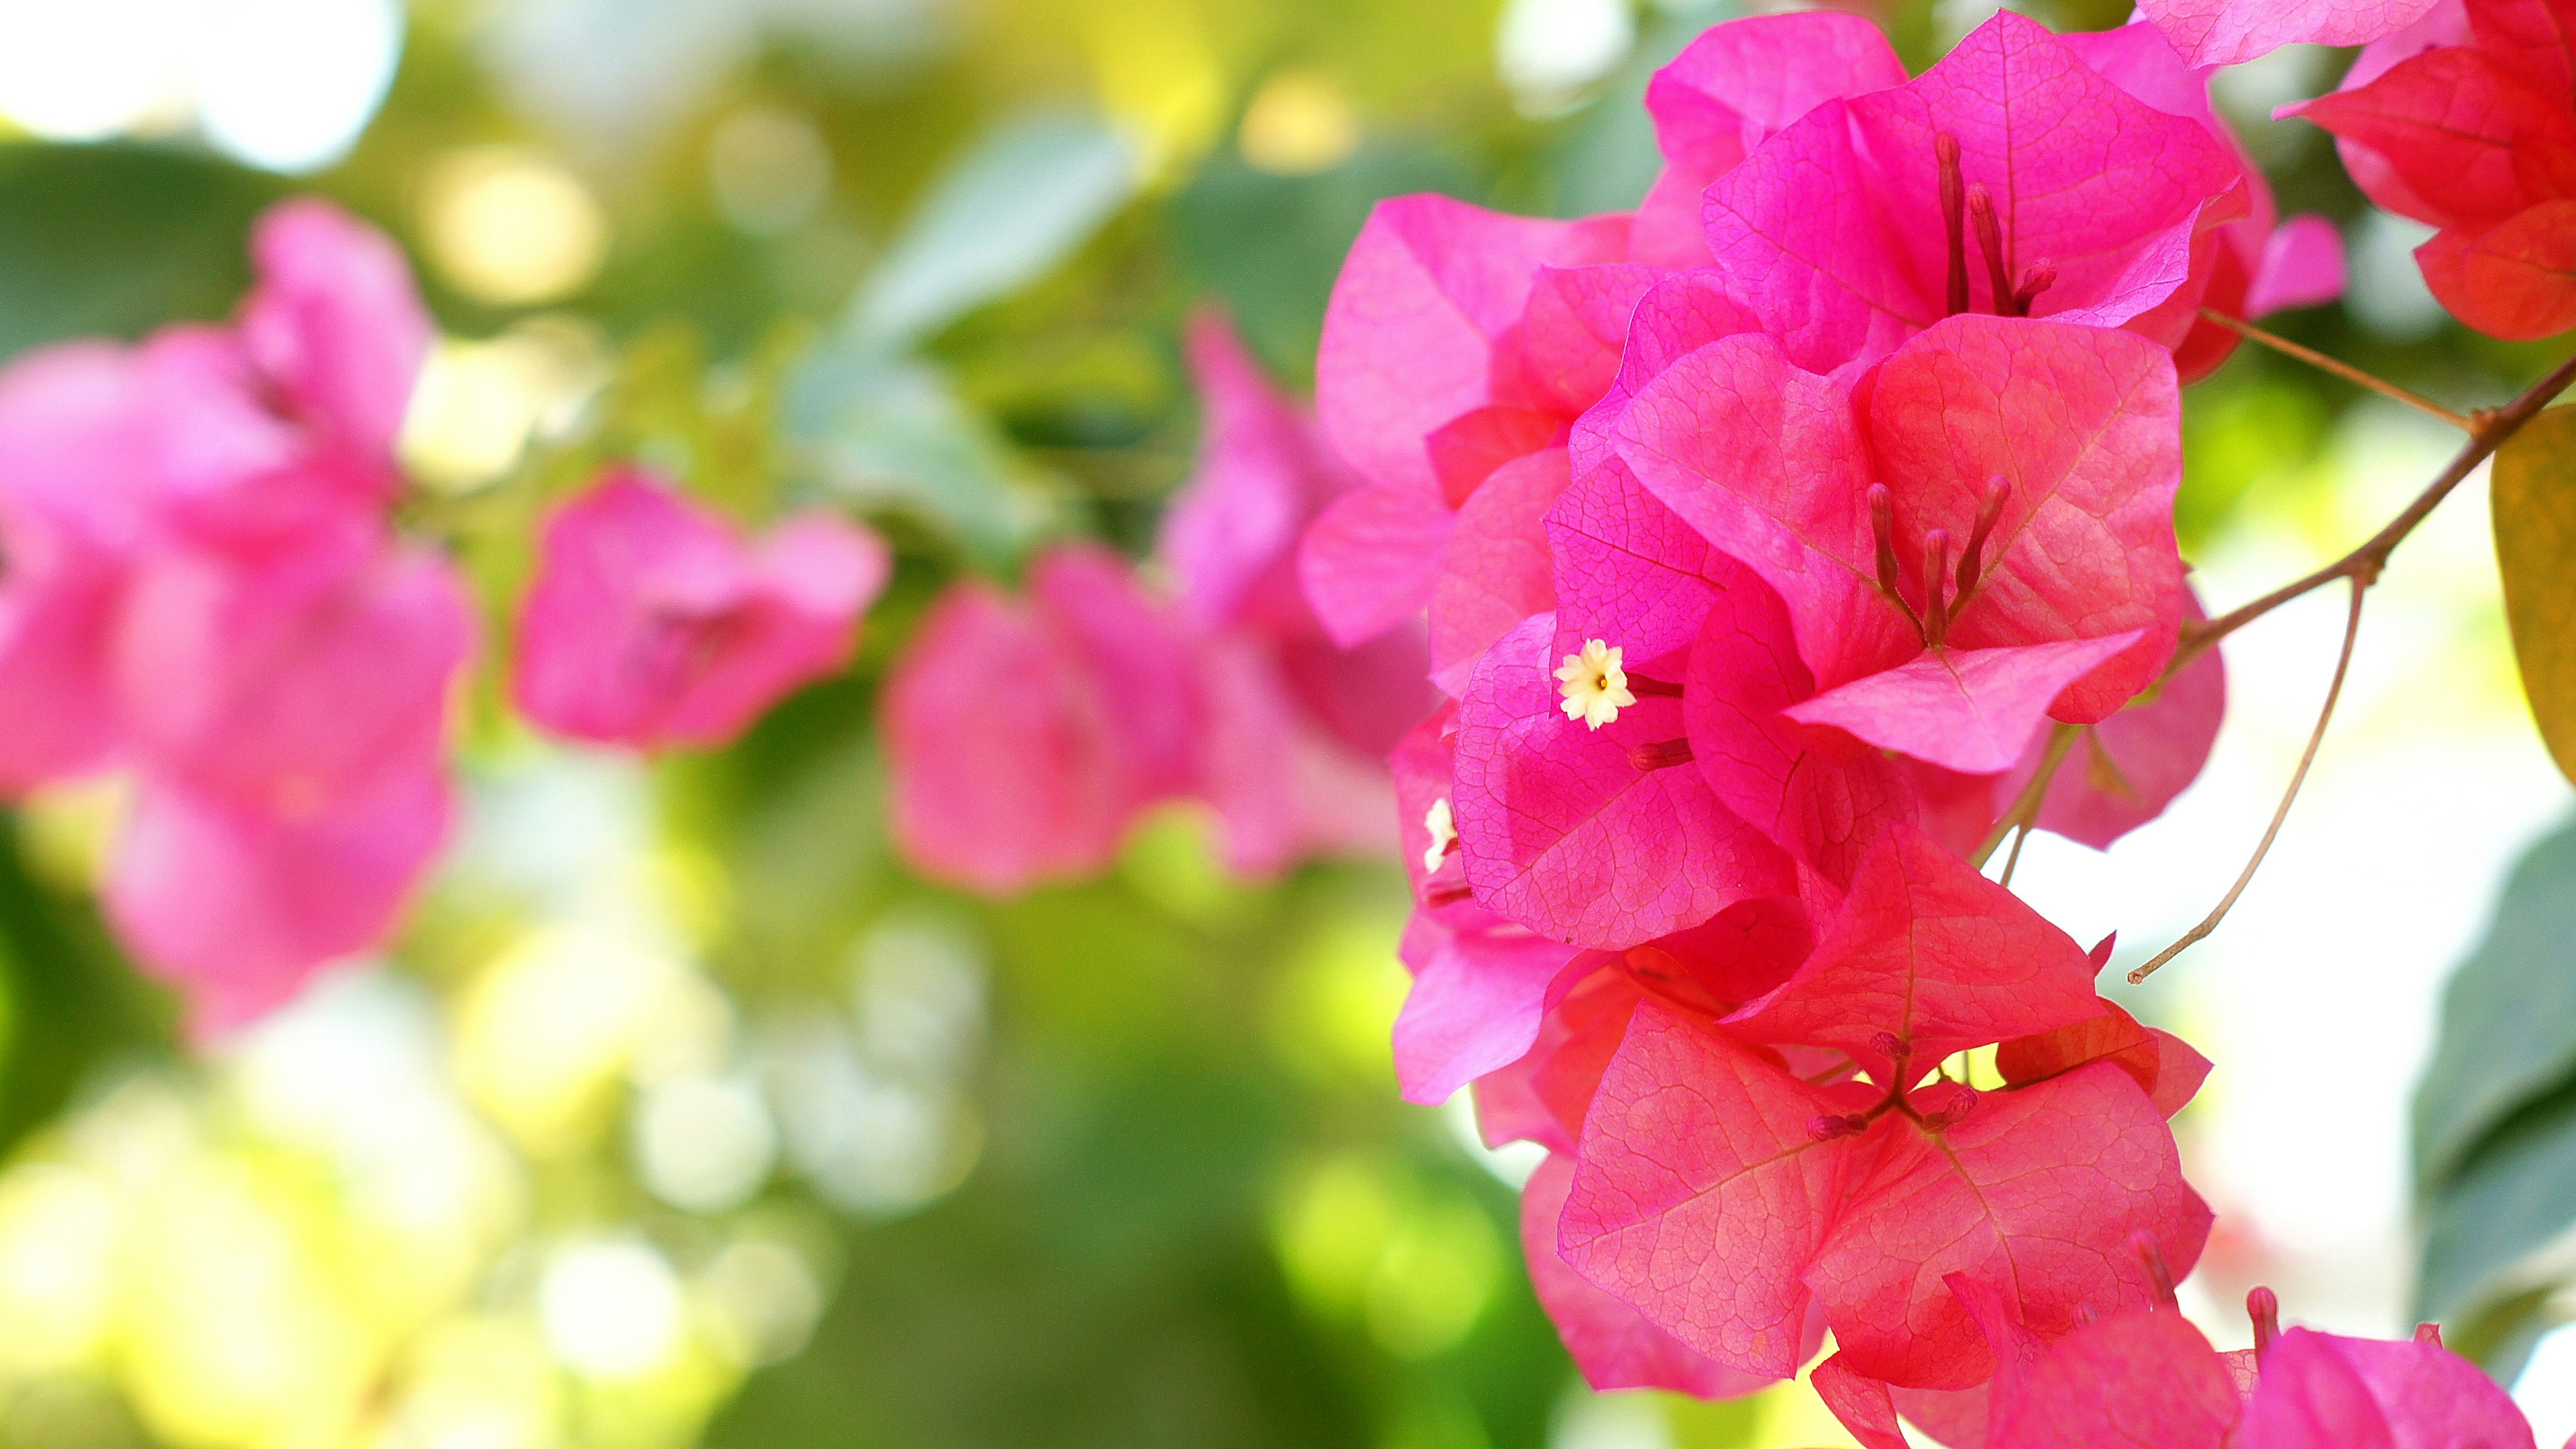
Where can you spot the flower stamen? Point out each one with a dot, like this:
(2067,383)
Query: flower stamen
(1443,825)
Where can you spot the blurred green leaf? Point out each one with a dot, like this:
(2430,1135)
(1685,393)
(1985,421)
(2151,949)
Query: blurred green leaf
(2495,1119)
(119,239)
(1020,201)
(1270,246)
(886,432)
(2508,1032)
(2497,1236)
(2534,499)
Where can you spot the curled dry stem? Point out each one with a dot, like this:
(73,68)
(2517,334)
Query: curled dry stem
(2334,691)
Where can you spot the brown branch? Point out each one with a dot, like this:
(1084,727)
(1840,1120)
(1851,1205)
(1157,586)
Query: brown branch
(2298,777)
(2488,430)
(2339,368)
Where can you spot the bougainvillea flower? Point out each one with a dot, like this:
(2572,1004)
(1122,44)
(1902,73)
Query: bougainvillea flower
(1720,1194)
(2231,32)
(204,590)
(292,682)
(2009,179)
(1416,340)
(1614,1345)
(2479,141)
(240,904)
(652,622)
(2316,1390)
(997,749)
(1599,837)
(1926,958)
(1730,90)
(1024,738)
(2262,264)
(337,327)
(1460,343)
(1980,539)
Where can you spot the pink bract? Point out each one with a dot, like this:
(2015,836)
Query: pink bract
(652,623)
(1730,90)
(2477,139)
(999,753)
(1614,1345)
(2046,453)
(1603,838)
(240,905)
(1837,231)
(2231,32)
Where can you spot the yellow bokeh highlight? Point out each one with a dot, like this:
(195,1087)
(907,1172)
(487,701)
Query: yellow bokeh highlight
(510,227)
(1299,122)
(1159,75)
(545,1034)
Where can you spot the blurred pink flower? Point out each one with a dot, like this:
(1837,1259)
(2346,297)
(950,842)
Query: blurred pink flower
(652,623)
(204,589)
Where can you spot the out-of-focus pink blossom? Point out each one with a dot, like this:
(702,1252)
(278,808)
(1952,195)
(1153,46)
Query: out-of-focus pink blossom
(652,623)
(203,589)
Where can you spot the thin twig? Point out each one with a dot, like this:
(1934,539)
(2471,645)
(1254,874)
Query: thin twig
(2025,806)
(2489,430)
(2341,369)
(2013,861)
(2343,662)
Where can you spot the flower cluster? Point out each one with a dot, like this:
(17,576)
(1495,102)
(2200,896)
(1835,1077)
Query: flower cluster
(2466,121)
(205,589)
(206,592)
(1785,546)
(1025,736)
(2148,1377)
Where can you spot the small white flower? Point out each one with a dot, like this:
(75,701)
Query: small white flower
(1444,833)
(1595,686)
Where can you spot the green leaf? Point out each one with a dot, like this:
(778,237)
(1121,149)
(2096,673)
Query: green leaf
(1016,204)
(119,240)
(2508,1032)
(2535,529)
(888,432)
(2498,1236)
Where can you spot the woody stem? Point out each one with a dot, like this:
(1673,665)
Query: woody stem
(2012,862)
(2025,806)
(2298,777)
(2341,369)
(2489,429)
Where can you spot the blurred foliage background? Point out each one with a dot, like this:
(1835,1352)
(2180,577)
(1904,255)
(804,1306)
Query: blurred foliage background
(680,1114)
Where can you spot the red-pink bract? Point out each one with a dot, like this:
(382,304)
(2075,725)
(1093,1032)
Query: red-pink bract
(2039,1189)
(2478,139)
(2125,770)
(651,623)
(1834,230)
(1585,835)
(1613,1344)
(1701,1192)
(2140,1378)
(337,326)
(1773,465)
(1926,958)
